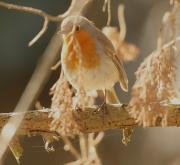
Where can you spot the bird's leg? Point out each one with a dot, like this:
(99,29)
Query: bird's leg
(103,106)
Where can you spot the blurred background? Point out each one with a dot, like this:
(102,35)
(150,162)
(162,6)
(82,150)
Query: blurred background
(157,146)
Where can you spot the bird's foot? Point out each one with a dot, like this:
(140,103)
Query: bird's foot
(103,108)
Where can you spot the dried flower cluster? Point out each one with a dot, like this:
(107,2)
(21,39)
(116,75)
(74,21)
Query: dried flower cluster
(154,79)
(125,51)
(156,75)
(62,101)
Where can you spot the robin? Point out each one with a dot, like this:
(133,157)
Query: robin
(88,58)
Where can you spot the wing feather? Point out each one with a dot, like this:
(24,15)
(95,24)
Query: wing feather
(122,74)
(110,51)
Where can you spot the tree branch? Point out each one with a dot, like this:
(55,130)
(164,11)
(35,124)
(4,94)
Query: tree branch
(32,11)
(74,7)
(90,120)
(38,12)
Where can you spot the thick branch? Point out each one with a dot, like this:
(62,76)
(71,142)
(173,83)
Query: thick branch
(90,120)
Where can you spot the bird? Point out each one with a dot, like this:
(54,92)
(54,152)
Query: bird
(89,60)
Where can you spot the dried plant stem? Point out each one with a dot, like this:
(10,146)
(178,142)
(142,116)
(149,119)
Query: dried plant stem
(74,7)
(93,142)
(98,138)
(71,148)
(171,42)
(83,140)
(57,65)
(161,32)
(109,12)
(90,120)
(107,5)
(38,12)
(43,30)
(31,10)
(77,162)
(122,22)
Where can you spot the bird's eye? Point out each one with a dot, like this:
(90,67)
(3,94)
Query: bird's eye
(77,28)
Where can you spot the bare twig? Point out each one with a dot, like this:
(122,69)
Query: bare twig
(74,7)
(77,162)
(38,12)
(83,140)
(43,30)
(98,138)
(122,22)
(171,42)
(161,32)
(54,67)
(104,5)
(107,5)
(93,142)
(71,148)
(109,13)
(31,10)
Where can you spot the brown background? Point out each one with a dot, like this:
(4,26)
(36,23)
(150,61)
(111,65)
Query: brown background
(149,146)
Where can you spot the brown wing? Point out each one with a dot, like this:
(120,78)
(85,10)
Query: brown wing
(119,65)
(110,51)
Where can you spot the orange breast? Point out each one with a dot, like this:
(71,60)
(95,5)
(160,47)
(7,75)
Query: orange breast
(87,54)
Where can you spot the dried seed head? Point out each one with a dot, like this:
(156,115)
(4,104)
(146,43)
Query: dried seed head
(64,102)
(62,114)
(125,51)
(154,84)
(158,76)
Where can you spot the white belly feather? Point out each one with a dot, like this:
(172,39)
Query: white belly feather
(103,76)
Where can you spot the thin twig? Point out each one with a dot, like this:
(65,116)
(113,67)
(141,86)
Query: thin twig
(77,162)
(38,12)
(122,22)
(54,67)
(104,5)
(177,39)
(71,148)
(83,140)
(32,11)
(107,5)
(109,13)
(43,30)
(47,17)
(98,138)
(93,156)
(161,32)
